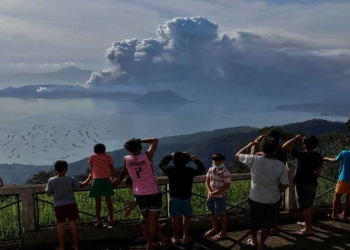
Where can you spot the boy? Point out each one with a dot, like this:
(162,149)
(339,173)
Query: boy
(102,172)
(217,182)
(145,184)
(307,172)
(180,183)
(65,206)
(269,179)
(343,185)
(280,154)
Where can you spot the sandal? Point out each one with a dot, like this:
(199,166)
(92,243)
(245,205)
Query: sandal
(210,233)
(98,224)
(219,237)
(250,243)
(303,233)
(301,223)
(330,217)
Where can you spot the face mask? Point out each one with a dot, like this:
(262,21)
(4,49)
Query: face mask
(219,167)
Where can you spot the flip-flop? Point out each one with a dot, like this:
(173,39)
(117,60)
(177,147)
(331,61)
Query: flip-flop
(250,243)
(330,217)
(211,233)
(342,219)
(302,233)
(218,237)
(187,242)
(301,223)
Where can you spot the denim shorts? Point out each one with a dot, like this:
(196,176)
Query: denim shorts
(217,205)
(263,215)
(305,195)
(180,207)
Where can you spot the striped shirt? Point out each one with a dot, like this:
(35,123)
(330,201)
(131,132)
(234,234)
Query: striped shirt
(100,166)
(218,179)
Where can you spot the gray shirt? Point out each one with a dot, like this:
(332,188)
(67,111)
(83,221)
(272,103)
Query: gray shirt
(62,189)
(267,176)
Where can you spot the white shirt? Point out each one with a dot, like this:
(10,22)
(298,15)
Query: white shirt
(267,176)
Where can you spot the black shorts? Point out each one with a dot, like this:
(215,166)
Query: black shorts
(305,195)
(152,202)
(263,215)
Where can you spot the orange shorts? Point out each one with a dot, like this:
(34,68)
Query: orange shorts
(343,187)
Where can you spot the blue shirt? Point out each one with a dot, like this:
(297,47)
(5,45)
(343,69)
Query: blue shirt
(62,189)
(344,157)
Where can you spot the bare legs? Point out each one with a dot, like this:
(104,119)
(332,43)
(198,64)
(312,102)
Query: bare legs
(61,234)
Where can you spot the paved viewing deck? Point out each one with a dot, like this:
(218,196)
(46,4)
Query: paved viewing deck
(328,235)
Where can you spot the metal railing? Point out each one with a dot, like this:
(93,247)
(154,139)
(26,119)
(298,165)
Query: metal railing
(10,218)
(27,209)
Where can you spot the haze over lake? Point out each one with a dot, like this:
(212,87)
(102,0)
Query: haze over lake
(38,131)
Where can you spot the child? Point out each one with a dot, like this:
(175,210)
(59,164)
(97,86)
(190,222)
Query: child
(217,182)
(102,172)
(269,179)
(145,184)
(343,184)
(131,206)
(307,172)
(65,206)
(180,183)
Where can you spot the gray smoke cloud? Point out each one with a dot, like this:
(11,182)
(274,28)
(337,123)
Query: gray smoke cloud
(192,49)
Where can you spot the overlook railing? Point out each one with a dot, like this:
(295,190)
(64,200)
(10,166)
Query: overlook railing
(26,209)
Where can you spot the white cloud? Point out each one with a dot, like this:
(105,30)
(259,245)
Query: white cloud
(193,50)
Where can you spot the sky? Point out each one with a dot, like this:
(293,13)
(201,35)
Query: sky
(46,35)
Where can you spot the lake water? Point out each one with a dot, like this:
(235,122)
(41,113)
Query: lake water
(42,131)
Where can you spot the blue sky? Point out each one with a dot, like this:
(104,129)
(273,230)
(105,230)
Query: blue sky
(43,35)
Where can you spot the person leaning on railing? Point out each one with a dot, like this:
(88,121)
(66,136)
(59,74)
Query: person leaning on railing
(343,184)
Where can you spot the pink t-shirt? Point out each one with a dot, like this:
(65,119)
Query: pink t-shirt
(142,174)
(100,165)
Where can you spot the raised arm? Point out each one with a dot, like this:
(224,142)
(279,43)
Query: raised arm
(200,170)
(152,148)
(164,163)
(253,150)
(288,146)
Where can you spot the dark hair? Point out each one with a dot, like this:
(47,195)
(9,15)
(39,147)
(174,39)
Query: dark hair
(128,181)
(99,148)
(180,159)
(310,141)
(61,166)
(274,133)
(218,157)
(269,145)
(132,145)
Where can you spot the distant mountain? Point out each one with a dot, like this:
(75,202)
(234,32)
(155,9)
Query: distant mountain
(340,107)
(62,92)
(167,97)
(67,75)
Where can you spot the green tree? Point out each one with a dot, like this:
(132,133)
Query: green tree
(347,125)
(41,177)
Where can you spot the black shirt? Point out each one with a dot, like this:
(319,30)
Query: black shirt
(307,164)
(181,177)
